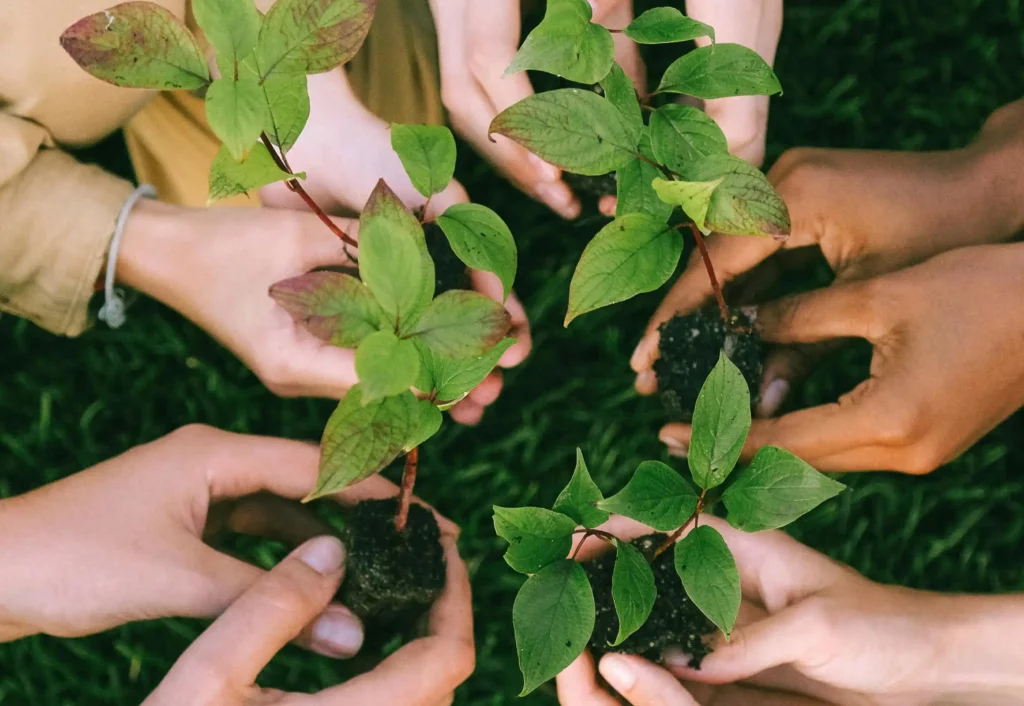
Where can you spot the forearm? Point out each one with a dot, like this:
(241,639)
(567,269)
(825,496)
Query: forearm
(997,154)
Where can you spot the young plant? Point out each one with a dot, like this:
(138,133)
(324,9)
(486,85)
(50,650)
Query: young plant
(404,336)
(554,612)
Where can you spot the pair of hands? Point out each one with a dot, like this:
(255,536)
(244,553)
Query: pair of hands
(813,631)
(123,541)
(944,326)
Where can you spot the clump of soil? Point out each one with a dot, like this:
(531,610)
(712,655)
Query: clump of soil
(675,620)
(391,577)
(689,349)
(449,271)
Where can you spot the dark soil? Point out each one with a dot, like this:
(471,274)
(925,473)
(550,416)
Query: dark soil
(689,349)
(391,578)
(675,620)
(449,271)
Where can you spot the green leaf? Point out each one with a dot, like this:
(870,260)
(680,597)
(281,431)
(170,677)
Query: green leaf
(453,378)
(574,129)
(427,153)
(393,259)
(386,365)
(553,617)
(634,191)
(776,489)
(312,36)
(631,255)
(745,203)
(656,495)
(231,27)
(694,197)
(334,307)
(481,239)
(536,537)
(620,92)
(427,422)
(230,177)
(578,499)
(567,44)
(633,589)
(360,440)
(708,572)
(460,324)
(681,134)
(137,45)
(721,420)
(287,108)
(720,71)
(237,112)
(663,25)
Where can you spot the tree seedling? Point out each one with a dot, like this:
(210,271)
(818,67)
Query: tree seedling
(640,601)
(404,336)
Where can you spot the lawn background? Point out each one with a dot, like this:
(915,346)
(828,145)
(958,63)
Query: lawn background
(906,74)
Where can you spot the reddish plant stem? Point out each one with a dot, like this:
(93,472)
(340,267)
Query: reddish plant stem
(679,532)
(722,306)
(601,534)
(412,462)
(294,185)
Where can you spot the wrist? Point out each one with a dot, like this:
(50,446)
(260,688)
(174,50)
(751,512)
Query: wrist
(995,158)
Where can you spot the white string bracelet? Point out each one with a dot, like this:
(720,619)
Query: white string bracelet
(113,310)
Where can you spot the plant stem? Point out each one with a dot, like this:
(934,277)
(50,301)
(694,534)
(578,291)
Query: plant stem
(679,532)
(412,461)
(722,306)
(661,167)
(606,536)
(294,185)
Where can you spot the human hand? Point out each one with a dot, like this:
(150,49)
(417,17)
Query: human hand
(946,367)
(122,541)
(221,667)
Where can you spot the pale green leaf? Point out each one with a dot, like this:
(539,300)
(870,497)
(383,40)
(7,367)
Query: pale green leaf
(553,617)
(452,378)
(536,537)
(619,91)
(479,237)
(460,324)
(681,134)
(776,489)
(427,421)
(694,197)
(287,99)
(721,420)
(656,495)
(236,112)
(745,202)
(386,365)
(567,44)
(708,572)
(631,255)
(231,27)
(663,25)
(579,498)
(312,36)
(634,186)
(633,589)
(720,71)
(230,177)
(574,129)
(427,153)
(334,307)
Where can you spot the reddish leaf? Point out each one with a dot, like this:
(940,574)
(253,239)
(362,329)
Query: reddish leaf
(334,307)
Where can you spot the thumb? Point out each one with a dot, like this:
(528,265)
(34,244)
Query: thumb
(643,683)
(271,613)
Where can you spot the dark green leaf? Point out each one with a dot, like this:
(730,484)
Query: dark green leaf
(386,365)
(576,130)
(332,306)
(662,25)
(137,45)
(681,134)
(620,92)
(635,192)
(427,153)
(361,440)
(656,495)
(721,420)
(236,112)
(745,203)
(633,589)
(720,71)
(459,324)
(536,537)
(312,36)
(631,255)
(427,422)
(453,378)
(230,177)
(553,618)
(481,239)
(287,101)
(578,499)
(708,572)
(231,27)
(694,197)
(567,44)
(775,490)
(393,259)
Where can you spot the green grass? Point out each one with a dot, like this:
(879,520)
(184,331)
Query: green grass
(871,73)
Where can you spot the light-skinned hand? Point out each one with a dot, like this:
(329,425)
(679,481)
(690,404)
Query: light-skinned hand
(221,667)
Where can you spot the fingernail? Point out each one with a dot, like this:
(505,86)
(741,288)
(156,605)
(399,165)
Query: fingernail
(337,633)
(322,554)
(617,672)
(674,657)
(545,170)
(773,397)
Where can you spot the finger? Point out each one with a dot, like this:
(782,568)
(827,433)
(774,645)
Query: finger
(839,311)
(268,516)
(622,527)
(643,683)
(785,366)
(497,25)
(487,392)
(577,685)
(488,284)
(606,205)
(322,248)
(601,10)
(317,369)
(427,670)
(467,413)
(271,613)
(453,193)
